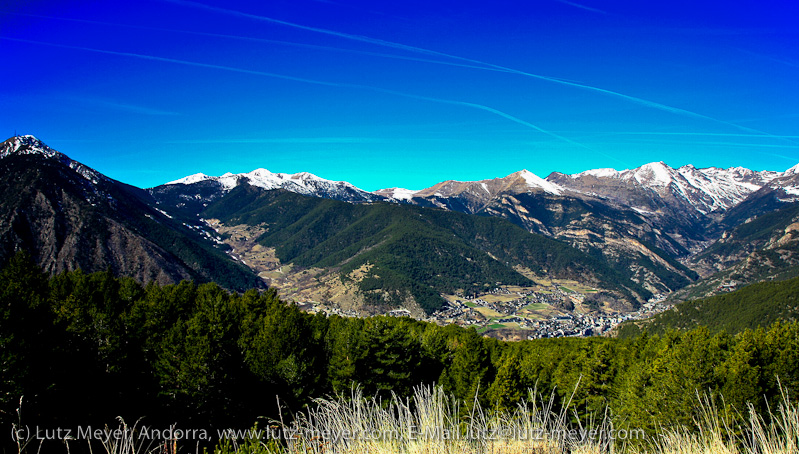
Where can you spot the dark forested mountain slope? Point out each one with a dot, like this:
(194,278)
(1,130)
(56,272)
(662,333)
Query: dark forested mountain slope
(629,240)
(408,251)
(635,232)
(757,305)
(70,216)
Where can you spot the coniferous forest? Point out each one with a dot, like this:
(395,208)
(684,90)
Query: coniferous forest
(82,349)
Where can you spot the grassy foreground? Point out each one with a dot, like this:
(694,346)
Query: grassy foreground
(432,422)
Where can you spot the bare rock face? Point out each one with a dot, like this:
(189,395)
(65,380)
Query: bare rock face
(765,248)
(641,219)
(631,240)
(69,216)
(656,226)
(655,186)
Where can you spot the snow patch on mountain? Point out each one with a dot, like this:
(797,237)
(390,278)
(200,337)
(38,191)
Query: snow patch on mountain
(721,188)
(707,190)
(302,183)
(652,174)
(30,145)
(599,173)
(536,182)
(792,171)
(191,179)
(397,193)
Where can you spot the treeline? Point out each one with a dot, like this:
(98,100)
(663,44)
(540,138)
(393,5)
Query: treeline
(85,348)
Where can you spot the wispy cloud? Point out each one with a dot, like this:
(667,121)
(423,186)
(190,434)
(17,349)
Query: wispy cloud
(706,134)
(472,63)
(725,144)
(791,63)
(259,40)
(577,5)
(324,31)
(481,64)
(177,61)
(309,81)
(122,107)
(285,140)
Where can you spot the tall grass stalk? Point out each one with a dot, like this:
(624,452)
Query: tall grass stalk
(724,433)
(431,422)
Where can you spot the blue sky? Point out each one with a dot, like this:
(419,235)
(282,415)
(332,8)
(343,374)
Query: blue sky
(407,94)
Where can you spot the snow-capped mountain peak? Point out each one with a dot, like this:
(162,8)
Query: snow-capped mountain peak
(535,182)
(196,178)
(258,173)
(599,173)
(21,145)
(705,190)
(30,145)
(653,174)
(301,183)
(698,190)
(303,180)
(397,193)
(306,176)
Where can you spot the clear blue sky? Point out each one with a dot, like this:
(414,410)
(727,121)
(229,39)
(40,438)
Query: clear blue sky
(406,93)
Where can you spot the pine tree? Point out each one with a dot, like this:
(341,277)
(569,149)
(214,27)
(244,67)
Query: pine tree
(507,390)
(24,339)
(468,375)
(392,357)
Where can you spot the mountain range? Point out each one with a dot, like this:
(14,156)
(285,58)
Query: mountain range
(632,233)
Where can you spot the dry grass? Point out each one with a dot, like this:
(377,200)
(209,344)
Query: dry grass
(431,422)
(721,433)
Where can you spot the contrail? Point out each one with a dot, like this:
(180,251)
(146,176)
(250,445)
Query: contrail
(260,40)
(577,5)
(713,134)
(729,144)
(287,140)
(324,31)
(769,57)
(308,81)
(484,108)
(482,64)
(174,60)
(124,107)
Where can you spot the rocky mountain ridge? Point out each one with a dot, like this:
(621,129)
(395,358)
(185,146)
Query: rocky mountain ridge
(649,225)
(648,221)
(69,216)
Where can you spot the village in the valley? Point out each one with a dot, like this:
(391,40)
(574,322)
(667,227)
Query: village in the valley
(550,308)
(554,311)
(554,308)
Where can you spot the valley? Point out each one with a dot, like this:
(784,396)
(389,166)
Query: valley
(365,227)
(515,257)
(550,308)
(670,256)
